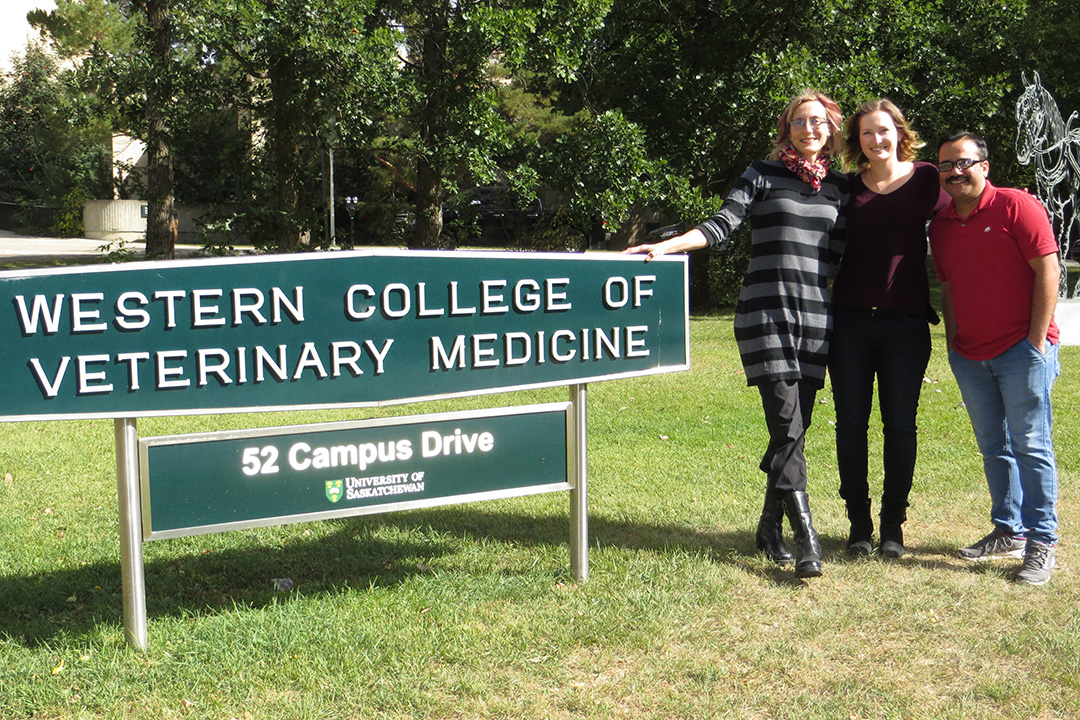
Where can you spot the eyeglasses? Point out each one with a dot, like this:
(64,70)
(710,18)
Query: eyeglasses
(963,163)
(814,123)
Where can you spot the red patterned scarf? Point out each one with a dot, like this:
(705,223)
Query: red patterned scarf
(811,172)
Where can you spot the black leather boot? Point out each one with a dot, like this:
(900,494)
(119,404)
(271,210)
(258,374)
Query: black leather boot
(892,531)
(862,528)
(770,529)
(807,547)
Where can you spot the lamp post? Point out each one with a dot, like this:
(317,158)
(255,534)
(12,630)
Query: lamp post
(351,203)
(332,230)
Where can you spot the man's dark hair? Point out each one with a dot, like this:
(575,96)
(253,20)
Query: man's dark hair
(980,144)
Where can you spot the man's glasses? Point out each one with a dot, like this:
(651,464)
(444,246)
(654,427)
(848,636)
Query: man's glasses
(963,163)
(813,122)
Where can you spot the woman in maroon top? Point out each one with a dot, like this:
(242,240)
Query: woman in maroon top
(881,306)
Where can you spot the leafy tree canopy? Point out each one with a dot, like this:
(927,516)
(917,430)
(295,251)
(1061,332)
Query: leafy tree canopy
(617,107)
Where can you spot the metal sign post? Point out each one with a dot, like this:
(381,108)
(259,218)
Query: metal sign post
(131,555)
(579,496)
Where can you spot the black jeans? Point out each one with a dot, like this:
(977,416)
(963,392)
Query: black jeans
(894,347)
(788,406)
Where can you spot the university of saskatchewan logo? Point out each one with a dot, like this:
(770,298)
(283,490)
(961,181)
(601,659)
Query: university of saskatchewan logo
(334,488)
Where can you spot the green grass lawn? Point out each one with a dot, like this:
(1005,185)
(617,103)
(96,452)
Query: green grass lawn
(469,611)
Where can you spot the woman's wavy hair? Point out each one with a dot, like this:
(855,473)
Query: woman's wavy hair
(834,116)
(907,139)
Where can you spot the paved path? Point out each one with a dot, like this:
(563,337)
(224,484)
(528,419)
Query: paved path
(45,251)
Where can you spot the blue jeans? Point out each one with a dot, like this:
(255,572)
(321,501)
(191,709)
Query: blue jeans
(1008,401)
(894,347)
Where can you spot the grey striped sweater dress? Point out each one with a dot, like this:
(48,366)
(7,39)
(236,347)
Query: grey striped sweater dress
(783,319)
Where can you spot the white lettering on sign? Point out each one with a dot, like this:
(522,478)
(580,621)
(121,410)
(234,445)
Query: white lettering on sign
(364,488)
(133,310)
(433,443)
(132,318)
(83,320)
(186,349)
(617,292)
(484,350)
(303,457)
(173,369)
(397,300)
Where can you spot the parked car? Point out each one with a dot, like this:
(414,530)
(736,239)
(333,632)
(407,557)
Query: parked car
(662,233)
(488,216)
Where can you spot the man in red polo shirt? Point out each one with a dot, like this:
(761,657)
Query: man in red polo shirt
(997,259)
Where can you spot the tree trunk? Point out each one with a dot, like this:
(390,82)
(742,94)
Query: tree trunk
(632,231)
(700,292)
(285,235)
(161,223)
(285,151)
(429,221)
(429,175)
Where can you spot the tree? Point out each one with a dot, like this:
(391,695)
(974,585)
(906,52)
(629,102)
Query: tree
(25,103)
(949,65)
(136,43)
(77,26)
(308,63)
(53,149)
(454,54)
(288,66)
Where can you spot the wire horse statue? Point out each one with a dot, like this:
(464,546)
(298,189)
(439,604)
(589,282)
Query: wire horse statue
(1054,146)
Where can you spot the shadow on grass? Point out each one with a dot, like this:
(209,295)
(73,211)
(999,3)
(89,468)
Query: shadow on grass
(38,607)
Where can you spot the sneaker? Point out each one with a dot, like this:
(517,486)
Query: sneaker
(1038,560)
(1000,543)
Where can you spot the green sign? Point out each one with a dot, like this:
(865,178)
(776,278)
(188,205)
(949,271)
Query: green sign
(193,484)
(356,329)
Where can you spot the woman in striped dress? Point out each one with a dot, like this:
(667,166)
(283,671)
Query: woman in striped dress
(795,203)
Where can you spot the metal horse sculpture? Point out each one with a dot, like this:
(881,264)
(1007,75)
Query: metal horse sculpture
(1054,146)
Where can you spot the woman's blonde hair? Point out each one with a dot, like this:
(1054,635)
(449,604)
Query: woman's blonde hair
(833,114)
(907,140)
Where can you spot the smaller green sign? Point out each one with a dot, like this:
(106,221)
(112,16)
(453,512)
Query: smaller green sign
(213,482)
